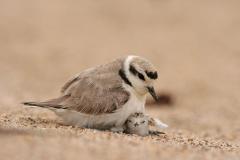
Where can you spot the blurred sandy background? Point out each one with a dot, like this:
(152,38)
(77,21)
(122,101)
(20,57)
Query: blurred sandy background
(194,44)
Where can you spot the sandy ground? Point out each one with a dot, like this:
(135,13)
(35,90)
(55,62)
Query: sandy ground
(195,46)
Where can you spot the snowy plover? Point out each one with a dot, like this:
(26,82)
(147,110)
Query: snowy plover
(138,123)
(104,97)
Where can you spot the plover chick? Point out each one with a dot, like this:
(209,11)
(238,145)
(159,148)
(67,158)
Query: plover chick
(138,123)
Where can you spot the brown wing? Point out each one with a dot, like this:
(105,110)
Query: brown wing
(69,83)
(97,90)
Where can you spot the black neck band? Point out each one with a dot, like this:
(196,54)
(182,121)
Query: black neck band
(124,77)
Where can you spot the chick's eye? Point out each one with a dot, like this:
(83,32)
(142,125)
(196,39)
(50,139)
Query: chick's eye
(129,121)
(140,76)
(143,121)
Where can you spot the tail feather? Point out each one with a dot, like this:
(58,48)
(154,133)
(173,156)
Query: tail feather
(42,104)
(53,103)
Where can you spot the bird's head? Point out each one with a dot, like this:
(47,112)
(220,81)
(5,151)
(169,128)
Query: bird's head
(137,121)
(141,74)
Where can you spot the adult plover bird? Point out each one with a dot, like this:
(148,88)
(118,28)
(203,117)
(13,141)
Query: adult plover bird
(104,97)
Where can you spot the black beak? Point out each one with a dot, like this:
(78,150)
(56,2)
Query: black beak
(151,90)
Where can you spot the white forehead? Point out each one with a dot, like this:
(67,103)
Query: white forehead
(140,63)
(128,61)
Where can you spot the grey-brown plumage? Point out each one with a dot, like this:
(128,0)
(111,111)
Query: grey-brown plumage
(104,96)
(94,91)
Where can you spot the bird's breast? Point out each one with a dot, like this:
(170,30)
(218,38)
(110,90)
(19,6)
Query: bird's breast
(134,104)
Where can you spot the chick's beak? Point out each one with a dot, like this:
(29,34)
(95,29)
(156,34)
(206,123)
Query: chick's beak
(151,90)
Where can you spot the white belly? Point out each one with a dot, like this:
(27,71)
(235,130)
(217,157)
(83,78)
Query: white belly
(104,121)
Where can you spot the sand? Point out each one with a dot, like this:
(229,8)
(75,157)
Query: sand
(194,45)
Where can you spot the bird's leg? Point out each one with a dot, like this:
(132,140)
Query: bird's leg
(156,123)
(155,133)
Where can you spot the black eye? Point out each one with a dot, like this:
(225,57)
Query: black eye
(140,76)
(152,75)
(133,70)
(129,121)
(143,121)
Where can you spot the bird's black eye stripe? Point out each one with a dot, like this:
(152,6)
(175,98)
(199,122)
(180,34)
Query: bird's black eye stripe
(140,76)
(152,75)
(124,77)
(136,73)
